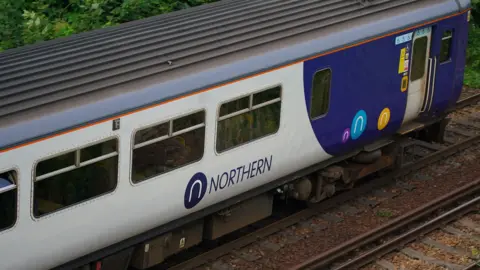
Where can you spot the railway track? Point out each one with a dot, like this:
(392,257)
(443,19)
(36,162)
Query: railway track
(416,155)
(414,225)
(467,98)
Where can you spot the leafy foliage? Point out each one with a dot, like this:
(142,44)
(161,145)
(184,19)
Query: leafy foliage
(476,11)
(472,71)
(25,22)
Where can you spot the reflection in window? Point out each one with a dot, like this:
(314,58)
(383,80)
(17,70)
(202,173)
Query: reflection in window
(62,181)
(152,133)
(258,116)
(235,106)
(419,58)
(8,199)
(320,93)
(168,146)
(56,163)
(446,46)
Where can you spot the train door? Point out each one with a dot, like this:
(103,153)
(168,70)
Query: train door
(444,84)
(418,78)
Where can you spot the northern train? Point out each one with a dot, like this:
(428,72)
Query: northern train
(122,146)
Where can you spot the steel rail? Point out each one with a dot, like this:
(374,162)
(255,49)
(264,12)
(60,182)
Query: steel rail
(470,100)
(283,223)
(332,202)
(473,266)
(325,259)
(326,205)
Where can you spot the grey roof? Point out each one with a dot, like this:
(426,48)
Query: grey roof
(94,75)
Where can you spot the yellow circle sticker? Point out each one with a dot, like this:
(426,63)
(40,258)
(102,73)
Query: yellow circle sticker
(383,118)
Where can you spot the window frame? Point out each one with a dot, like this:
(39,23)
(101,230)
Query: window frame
(77,163)
(14,186)
(425,66)
(77,153)
(450,47)
(329,94)
(170,134)
(250,108)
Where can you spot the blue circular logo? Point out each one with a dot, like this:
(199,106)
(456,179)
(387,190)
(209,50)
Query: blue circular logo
(196,189)
(359,124)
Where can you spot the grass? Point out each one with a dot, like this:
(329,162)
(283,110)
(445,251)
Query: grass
(384,213)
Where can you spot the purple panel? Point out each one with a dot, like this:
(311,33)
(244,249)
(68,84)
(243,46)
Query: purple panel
(366,81)
(449,75)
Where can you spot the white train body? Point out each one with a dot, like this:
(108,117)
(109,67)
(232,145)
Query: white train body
(48,241)
(37,125)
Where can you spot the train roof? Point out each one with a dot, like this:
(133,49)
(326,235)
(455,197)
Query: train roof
(63,83)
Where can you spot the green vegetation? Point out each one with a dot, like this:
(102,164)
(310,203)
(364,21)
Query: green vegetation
(476,253)
(25,22)
(472,71)
(384,213)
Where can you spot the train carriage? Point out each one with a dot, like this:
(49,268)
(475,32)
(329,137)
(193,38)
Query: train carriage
(118,141)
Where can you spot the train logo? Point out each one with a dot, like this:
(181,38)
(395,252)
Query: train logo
(346,135)
(383,119)
(359,124)
(197,186)
(195,191)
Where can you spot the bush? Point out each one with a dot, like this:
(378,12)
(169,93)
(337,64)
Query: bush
(472,70)
(476,11)
(28,21)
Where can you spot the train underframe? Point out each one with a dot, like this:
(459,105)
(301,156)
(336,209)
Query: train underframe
(310,188)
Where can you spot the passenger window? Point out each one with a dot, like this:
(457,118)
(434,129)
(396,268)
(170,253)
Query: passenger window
(248,118)
(320,93)
(238,105)
(168,146)
(446,46)
(419,58)
(8,199)
(75,177)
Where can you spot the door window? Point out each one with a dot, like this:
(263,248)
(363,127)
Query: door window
(320,93)
(419,57)
(446,46)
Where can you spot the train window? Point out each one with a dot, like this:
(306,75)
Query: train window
(98,150)
(8,199)
(419,57)
(248,118)
(168,146)
(152,133)
(446,46)
(320,99)
(56,163)
(266,96)
(189,121)
(63,181)
(237,105)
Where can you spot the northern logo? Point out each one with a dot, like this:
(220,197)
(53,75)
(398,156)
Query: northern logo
(196,189)
(197,186)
